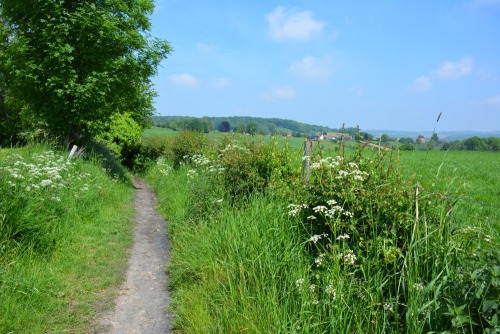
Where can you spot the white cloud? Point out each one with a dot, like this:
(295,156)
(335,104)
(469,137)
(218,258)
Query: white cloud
(447,70)
(184,80)
(454,70)
(220,83)
(281,92)
(286,23)
(493,101)
(204,47)
(313,68)
(421,83)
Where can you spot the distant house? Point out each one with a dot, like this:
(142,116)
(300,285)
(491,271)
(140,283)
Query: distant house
(421,140)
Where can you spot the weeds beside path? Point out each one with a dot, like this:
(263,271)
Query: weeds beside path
(141,306)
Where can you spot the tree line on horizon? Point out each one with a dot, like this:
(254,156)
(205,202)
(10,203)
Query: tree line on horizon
(267,126)
(248,124)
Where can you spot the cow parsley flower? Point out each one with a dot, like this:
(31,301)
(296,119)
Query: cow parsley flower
(317,237)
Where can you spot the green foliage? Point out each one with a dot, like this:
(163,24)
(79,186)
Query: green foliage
(121,134)
(473,144)
(384,138)
(406,140)
(407,147)
(472,290)
(250,166)
(224,126)
(186,145)
(74,64)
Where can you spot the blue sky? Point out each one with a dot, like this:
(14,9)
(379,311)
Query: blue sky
(391,65)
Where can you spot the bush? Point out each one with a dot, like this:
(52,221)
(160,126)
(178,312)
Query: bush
(185,145)
(407,147)
(249,166)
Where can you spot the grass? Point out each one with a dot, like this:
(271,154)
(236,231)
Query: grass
(471,175)
(63,248)
(247,265)
(158,132)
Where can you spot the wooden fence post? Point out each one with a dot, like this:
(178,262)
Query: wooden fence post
(306,172)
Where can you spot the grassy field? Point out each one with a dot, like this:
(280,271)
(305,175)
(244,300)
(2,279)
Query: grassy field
(255,249)
(158,132)
(65,227)
(473,176)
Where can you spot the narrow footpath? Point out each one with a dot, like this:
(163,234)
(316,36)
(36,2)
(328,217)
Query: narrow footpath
(141,306)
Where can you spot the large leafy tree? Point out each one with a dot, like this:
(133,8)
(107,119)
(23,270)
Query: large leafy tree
(75,63)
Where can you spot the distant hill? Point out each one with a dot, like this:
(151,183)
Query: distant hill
(268,125)
(443,135)
(263,124)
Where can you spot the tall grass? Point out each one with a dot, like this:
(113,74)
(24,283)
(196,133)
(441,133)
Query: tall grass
(360,248)
(65,225)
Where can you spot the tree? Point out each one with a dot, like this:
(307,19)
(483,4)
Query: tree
(251,128)
(406,140)
(384,138)
(475,144)
(224,126)
(74,64)
(434,138)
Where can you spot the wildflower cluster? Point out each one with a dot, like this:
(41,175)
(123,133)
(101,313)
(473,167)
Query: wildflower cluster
(333,211)
(296,208)
(45,171)
(202,164)
(348,257)
(36,191)
(340,169)
(314,294)
(163,166)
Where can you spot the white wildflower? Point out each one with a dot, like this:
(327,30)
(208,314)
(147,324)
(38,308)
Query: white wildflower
(319,260)
(45,183)
(320,208)
(330,290)
(343,237)
(317,237)
(349,258)
(388,307)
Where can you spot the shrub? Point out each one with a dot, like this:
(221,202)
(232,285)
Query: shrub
(185,145)
(407,147)
(121,134)
(250,166)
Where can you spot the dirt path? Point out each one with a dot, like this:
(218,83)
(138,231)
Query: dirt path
(143,299)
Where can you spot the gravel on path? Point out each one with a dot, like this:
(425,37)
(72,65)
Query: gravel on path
(141,306)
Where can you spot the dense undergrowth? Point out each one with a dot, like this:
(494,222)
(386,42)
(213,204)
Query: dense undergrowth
(358,248)
(64,227)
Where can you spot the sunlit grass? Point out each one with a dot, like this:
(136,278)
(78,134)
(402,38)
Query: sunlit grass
(65,228)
